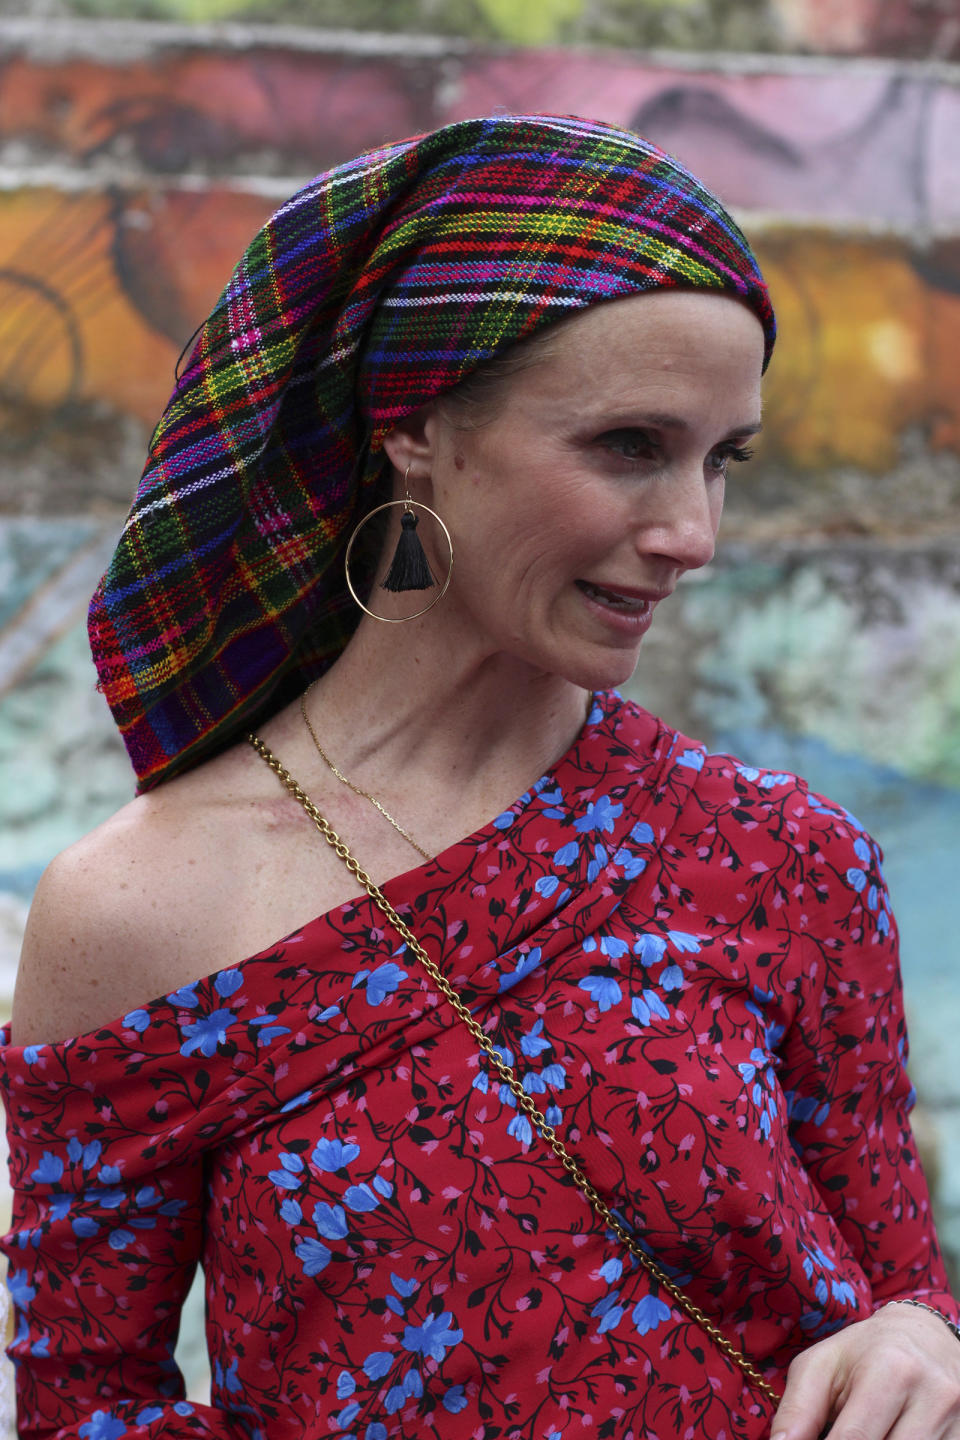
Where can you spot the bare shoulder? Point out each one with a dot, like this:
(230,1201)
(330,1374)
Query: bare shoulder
(131,911)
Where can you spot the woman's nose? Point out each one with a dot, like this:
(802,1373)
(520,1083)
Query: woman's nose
(683,527)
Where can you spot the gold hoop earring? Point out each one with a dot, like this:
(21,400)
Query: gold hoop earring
(409,506)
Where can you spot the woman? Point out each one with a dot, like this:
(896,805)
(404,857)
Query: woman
(542,341)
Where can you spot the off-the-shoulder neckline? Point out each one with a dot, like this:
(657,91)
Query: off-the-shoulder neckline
(603,706)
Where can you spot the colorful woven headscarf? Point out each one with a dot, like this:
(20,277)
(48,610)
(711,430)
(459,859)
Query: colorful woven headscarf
(376,287)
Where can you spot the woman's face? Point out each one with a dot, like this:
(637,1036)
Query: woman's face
(598,480)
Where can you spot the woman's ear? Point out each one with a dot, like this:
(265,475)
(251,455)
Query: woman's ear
(413,443)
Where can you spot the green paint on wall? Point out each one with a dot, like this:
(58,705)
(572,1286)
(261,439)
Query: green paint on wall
(533,23)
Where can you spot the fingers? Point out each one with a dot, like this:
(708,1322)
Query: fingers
(849,1393)
(874,1412)
(807,1403)
(919,1422)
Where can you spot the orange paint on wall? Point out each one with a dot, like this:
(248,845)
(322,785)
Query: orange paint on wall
(97,295)
(867,349)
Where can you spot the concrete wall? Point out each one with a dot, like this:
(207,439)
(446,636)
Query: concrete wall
(135,162)
(915,29)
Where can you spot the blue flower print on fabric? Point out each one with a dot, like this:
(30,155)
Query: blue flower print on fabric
(609,1312)
(334,1155)
(527,963)
(648,1313)
(600,815)
(650,948)
(521,1129)
(227,983)
(102,1426)
(534,1042)
(604,991)
(599,863)
(377,1364)
(454,1400)
(631,865)
(50,1169)
(21,1291)
(313,1256)
(267,1029)
(759,1071)
(686,944)
(360,1198)
(87,1155)
(433,1338)
(613,945)
(302,1099)
(185,996)
(288,1176)
(546,885)
(643,1007)
(330,1220)
(381,982)
(206,1033)
(228,1379)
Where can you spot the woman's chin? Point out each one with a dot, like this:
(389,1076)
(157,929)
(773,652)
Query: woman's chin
(604,670)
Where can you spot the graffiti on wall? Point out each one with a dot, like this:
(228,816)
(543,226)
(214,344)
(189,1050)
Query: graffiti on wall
(175,158)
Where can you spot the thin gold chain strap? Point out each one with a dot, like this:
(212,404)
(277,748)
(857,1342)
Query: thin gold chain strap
(509,1078)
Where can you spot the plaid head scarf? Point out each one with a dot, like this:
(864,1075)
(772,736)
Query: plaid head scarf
(378,286)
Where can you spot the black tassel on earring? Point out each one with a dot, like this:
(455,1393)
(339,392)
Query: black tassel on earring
(409,569)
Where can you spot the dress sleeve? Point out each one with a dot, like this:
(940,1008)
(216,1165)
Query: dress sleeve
(102,1249)
(849,1098)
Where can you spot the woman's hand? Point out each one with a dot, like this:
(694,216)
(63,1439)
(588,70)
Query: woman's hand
(895,1376)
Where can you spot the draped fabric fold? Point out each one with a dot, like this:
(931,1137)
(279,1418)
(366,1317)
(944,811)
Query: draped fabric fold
(692,967)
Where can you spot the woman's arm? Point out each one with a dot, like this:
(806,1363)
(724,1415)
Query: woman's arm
(105,1237)
(896,1373)
(98,1273)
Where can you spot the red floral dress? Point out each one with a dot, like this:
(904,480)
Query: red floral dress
(692,967)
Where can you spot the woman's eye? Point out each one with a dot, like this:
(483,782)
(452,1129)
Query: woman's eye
(630,444)
(721,457)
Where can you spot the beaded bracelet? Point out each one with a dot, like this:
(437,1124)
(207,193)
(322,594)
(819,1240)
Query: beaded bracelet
(954,1329)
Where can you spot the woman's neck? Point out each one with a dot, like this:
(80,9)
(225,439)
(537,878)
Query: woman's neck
(396,710)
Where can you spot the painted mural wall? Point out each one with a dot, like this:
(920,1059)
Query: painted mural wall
(177,151)
(137,160)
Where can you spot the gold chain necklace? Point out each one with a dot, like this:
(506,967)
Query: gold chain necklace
(364,794)
(509,1078)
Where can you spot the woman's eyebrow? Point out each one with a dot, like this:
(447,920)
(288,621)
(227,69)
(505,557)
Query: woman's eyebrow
(665,421)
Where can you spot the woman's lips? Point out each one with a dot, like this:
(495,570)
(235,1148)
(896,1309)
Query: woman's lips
(628,611)
(629,601)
